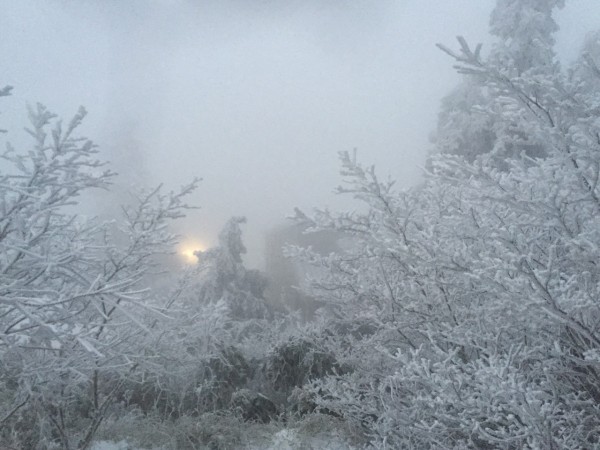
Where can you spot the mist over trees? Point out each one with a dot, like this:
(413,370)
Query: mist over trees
(460,313)
(481,283)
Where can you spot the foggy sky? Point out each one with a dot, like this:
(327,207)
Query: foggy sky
(257,97)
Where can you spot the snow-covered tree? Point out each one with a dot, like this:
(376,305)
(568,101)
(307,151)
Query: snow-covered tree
(465,127)
(482,283)
(226,279)
(472,120)
(73,305)
(525,31)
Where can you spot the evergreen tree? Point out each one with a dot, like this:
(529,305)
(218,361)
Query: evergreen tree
(471,122)
(226,278)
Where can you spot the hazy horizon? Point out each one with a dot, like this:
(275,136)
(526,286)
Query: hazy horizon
(257,98)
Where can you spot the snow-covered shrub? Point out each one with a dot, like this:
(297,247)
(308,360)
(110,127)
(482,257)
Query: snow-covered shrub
(482,282)
(296,361)
(75,315)
(253,406)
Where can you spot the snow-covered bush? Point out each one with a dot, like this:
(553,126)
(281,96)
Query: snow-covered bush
(75,315)
(295,362)
(482,282)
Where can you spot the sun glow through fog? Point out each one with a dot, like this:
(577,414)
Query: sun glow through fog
(187,249)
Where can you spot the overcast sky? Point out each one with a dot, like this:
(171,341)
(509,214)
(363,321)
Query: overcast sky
(257,97)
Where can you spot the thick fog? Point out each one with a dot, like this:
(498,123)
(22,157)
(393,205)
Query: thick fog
(256,97)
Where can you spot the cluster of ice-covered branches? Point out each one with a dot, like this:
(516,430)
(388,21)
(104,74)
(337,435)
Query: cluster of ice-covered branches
(73,302)
(481,284)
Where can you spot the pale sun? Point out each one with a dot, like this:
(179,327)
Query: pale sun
(187,249)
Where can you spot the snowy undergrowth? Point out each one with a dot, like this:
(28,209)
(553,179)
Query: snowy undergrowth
(285,439)
(209,431)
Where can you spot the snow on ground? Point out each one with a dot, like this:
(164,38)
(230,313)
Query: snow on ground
(286,439)
(106,445)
